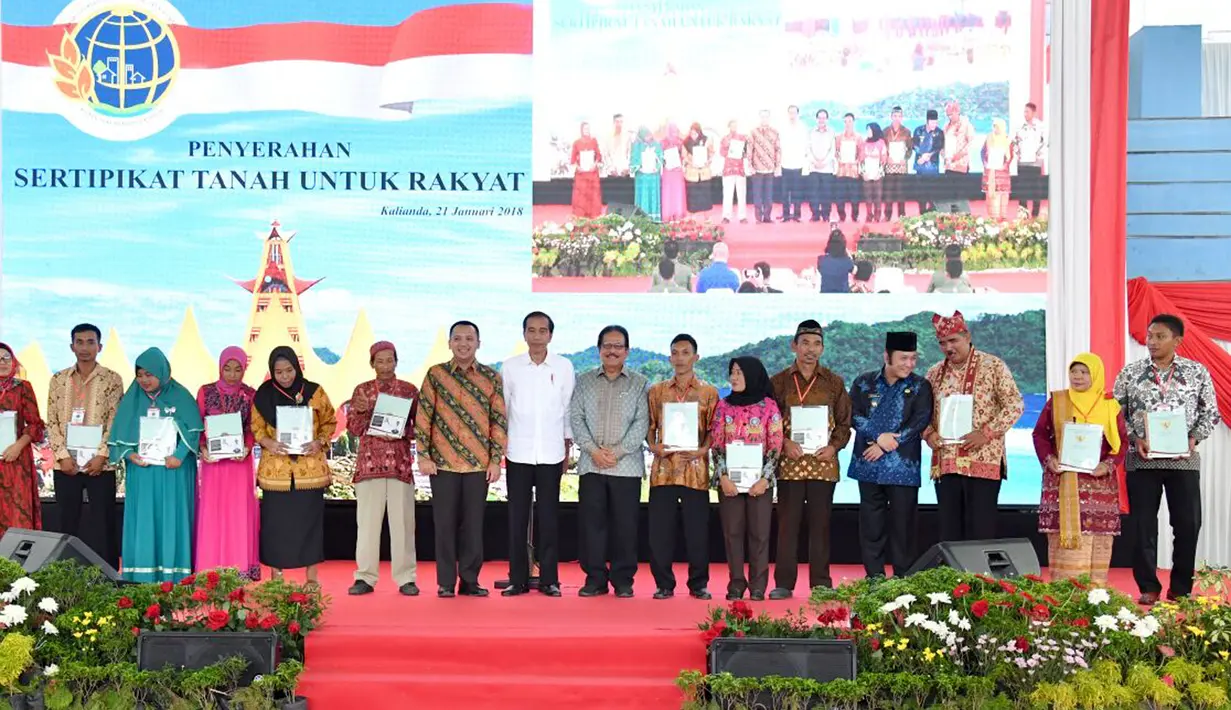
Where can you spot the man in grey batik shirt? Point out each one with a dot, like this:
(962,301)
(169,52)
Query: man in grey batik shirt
(1165,382)
(610,417)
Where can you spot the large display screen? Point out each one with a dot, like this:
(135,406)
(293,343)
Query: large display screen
(193,175)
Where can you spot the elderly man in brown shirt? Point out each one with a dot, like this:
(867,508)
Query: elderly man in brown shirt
(679,478)
(806,480)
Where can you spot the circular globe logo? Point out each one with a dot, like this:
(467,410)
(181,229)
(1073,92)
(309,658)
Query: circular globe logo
(117,64)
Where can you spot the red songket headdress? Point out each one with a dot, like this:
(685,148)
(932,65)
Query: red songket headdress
(949,326)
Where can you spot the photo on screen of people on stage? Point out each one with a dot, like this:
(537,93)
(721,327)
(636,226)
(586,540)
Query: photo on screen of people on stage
(827,147)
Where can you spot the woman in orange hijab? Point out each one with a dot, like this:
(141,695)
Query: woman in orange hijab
(1082,502)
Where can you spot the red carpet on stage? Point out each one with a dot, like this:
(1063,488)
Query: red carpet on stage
(793,245)
(386,651)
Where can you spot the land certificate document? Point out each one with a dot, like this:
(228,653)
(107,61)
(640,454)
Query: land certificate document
(389,416)
(680,426)
(957,416)
(1081,447)
(744,464)
(295,428)
(810,428)
(224,435)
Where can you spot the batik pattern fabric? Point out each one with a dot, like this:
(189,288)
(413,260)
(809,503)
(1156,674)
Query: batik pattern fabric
(19,480)
(461,424)
(997,407)
(1186,386)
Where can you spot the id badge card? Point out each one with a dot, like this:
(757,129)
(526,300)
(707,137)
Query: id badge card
(153,412)
(78,416)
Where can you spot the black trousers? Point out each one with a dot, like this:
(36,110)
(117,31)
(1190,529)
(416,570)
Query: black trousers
(894,194)
(794,499)
(967,507)
(847,194)
(1033,187)
(822,192)
(794,193)
(608,506)
(98,528)
(761,185)
(887,517)
(524,481)
(667,503)
(458,500)
(1145,491)
(745,532)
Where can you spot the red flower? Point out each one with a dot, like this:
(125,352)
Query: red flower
(844,636)
(1051,600)
(1028,597)
(1034,578)
(124,603)
(217,620)
(153,611)
(1078,584)
(1040,613)
(961,590)
(236,595)
(1169,681)
(211,579)
(985,579)
(200,596)
(708,636)
(166,587)
(188,581)
(253,621)
(979,608)
(1167,651)
(136,631)
(1081,623)
(1021,644)
(875,643)
(857,624)
(1008,587)
(739,634)
(269,622)
(293,627)
(299,598)
(740,609)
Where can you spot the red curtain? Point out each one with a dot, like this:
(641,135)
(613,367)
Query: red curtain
(1196,305)
(1108,178)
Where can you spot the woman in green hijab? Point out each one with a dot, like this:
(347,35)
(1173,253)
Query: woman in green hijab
(160,471)
(646,162)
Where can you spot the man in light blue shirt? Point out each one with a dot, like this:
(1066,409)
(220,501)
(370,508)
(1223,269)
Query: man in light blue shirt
(718,274)
(610,417)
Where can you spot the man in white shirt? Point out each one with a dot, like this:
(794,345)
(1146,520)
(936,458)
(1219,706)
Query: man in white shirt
(537,388)
(616,148)
(822,164)
(1030,144)
(794,155)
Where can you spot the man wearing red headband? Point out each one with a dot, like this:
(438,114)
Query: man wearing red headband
(384,474)
(968,453)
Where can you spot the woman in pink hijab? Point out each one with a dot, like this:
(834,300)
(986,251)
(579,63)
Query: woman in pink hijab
(674,203)
(227,512)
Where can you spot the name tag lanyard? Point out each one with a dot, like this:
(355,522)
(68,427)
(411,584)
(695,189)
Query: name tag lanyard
(1164,387)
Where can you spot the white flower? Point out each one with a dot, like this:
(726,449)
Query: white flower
(50,629)
(25,585)
(51,670)
(915,619)
(8,596)
(954,617)
(1098,596)
(905,600)
(12,614)
(964,624)
(1125,615)
(1145,627)
(936,598)
(889,608)
(49,605)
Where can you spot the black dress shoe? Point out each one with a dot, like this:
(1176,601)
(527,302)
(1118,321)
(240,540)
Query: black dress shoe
(702,594)
(515,590)
(360,587)
(734,596)
(445,592)
(758,596)
(551,590)
(409,589)
(625,593)
(660,594)
(780,593)
(589,591)
(472,590)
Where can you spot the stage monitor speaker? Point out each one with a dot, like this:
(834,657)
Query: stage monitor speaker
(193,650)
(880,244)
(623,210)
(953,206)
(34,549)
(999,559)
(821,660)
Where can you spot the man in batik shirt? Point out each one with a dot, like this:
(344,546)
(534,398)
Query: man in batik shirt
(849,148)
(1165,382)
(968,472)
(959,140)
(765,158)
(899,141)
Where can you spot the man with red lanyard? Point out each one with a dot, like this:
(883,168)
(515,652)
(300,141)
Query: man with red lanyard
(86,396)
(968,467)
(1165,382)
(809,470)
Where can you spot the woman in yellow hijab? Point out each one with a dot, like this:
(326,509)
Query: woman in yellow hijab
(1083,490)
(997,154)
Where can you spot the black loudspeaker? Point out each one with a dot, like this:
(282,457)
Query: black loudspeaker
(821,660)
(953,206)
(880,244)
(623,210)
(34,549)
(999,559)
(194,650)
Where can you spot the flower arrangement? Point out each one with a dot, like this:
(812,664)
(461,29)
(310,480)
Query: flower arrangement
(986,244)
(71,635)
(948,639)
(613,245)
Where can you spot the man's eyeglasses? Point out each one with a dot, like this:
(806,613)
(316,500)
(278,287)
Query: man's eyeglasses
(613,346)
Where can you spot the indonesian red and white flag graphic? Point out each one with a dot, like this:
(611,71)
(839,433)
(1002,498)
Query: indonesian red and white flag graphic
(124,70)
